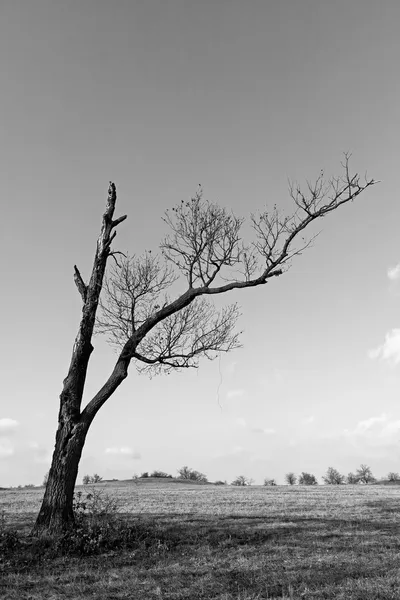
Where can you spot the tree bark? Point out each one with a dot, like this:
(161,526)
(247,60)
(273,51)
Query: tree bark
(56,513)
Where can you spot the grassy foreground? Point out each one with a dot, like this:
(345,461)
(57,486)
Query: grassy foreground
(222,543)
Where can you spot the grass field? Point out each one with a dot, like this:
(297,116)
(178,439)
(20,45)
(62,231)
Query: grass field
(222,542)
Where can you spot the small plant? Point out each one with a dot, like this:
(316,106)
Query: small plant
(9,540)
(269,482)
(96,525)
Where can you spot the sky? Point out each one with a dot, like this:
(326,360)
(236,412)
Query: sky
(159,96)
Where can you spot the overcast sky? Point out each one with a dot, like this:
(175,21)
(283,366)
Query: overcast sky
(159,96)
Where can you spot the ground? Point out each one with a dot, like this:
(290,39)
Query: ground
(222,542)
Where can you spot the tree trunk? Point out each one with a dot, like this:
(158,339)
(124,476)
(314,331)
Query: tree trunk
(56,513)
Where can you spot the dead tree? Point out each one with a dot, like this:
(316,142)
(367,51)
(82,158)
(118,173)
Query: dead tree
(204,248)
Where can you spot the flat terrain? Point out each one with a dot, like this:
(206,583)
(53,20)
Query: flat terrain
(226,543)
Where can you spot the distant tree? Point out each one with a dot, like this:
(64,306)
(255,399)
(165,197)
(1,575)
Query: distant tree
(86,479)
(96,478)
(45,478)
(352,478)
(290,478)
(392,476)
(365,475)
(241,480)
(144,475)
(187,473)
(307,479)
(333,477)
(161,474)
(158,333)
(219,482)
(269,482)
(135,477)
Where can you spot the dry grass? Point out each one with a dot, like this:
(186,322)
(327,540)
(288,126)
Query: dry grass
(227,543)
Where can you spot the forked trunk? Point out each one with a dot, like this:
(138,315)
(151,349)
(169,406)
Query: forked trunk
(56,513)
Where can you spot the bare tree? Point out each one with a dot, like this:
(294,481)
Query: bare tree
(242,481)
(290,478)
(352,478)
(158,333)
(307,479)
(333,477)
(364,474)
(393,476)
(187,473)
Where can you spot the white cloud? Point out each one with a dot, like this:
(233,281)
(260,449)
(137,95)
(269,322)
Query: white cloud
(374,432)
(39,453)
(308,420)
(394,272)
(238,450)
(264,430)
(8,426)
(390,349)
(6,450)
(230,369)
(124,451)
(234,393)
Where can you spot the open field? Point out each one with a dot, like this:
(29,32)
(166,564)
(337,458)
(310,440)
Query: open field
(224,543)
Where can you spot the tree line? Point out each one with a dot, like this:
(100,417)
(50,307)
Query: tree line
(332,476)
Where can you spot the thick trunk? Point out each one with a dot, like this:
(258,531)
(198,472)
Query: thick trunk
(56,513)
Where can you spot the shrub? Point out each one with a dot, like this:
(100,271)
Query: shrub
(9,540)
(160,474)
(364,474)
(91,479)
(352,478)
(144,475)
(307,479)
(333,477)
(241,480)
(96,526)
(290,478)
(269,482)
(219,482)
(187,473)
